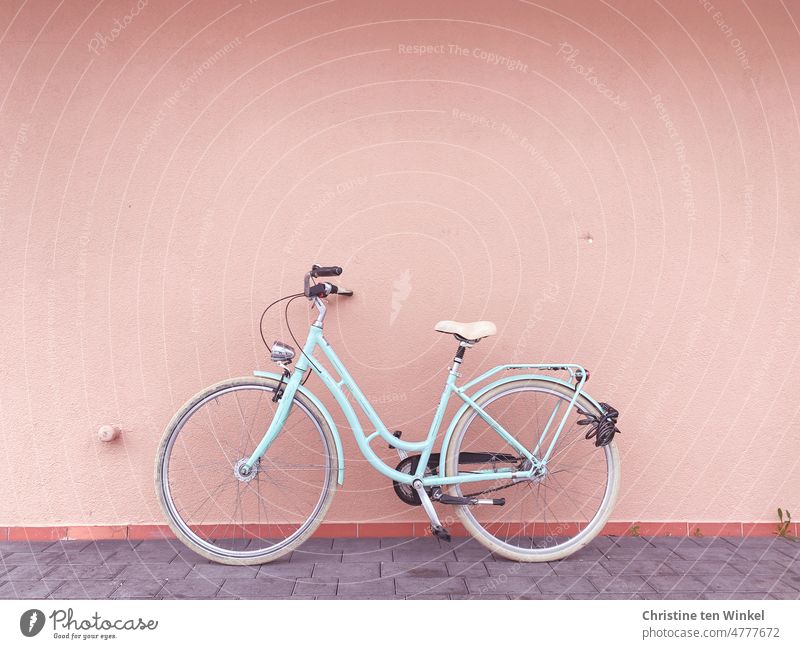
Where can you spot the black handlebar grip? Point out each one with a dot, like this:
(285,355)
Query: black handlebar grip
(325,271)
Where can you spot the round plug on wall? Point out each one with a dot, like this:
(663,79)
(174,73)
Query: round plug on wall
(108,433)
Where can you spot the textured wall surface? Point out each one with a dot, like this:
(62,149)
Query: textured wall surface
(613,183)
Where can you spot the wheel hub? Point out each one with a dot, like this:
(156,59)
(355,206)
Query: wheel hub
(538,474)
(242,473)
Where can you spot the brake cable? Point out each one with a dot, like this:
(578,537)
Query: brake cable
(291,333)
(264,313)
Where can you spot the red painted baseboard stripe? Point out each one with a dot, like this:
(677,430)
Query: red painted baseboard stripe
(395,529)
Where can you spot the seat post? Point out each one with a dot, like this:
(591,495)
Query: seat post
(462,348)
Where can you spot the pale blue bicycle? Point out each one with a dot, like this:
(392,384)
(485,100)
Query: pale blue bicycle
(247,469)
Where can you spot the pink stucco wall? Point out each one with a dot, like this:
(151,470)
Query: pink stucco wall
(163,181)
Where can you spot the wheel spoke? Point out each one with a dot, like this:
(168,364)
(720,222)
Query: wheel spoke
(258,517)
(217,490)
(557,451)
(569,495)
(244,424)
(547,518)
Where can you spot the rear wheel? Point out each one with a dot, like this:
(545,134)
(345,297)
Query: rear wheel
(545,518)
(241,519)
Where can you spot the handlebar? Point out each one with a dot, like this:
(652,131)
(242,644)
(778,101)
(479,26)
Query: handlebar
(325,271)
(324,289)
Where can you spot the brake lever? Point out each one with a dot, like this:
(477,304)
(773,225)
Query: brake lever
(318,290)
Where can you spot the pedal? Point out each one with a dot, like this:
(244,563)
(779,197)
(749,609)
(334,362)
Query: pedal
(447,499)
(441,532)
(499,502)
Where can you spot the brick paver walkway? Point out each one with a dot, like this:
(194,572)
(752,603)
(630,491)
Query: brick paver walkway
(609,568)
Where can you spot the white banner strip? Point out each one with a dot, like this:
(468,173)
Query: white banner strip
(388,624)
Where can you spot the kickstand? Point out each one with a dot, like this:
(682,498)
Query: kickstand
(436,526)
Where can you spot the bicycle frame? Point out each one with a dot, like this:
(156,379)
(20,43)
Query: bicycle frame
(306,361)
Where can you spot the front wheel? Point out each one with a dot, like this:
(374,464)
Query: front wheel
(219,511)
(548,517)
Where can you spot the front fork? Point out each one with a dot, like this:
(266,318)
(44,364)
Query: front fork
(281,415)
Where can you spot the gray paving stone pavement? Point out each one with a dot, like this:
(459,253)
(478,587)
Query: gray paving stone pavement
(243,587)
(462,568)
(138,589)
(85,589)
(429,585)
(348,572)
(312,586)
(407,568)
(157,571)
(367,556)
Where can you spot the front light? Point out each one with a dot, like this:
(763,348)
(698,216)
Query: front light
(281,352)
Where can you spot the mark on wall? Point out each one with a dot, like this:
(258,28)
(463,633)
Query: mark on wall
(401,289)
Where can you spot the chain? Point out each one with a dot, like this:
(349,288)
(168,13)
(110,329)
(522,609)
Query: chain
(488,491)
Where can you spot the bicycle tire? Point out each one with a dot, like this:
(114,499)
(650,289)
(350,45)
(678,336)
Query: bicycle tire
(480,532)
(182,529)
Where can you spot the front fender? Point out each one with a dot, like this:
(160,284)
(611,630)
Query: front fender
(325,413)
(491,386)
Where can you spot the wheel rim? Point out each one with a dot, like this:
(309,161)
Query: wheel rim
(231,515)
(561,511)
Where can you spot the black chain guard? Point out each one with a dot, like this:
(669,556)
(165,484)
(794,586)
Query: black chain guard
(408,494)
